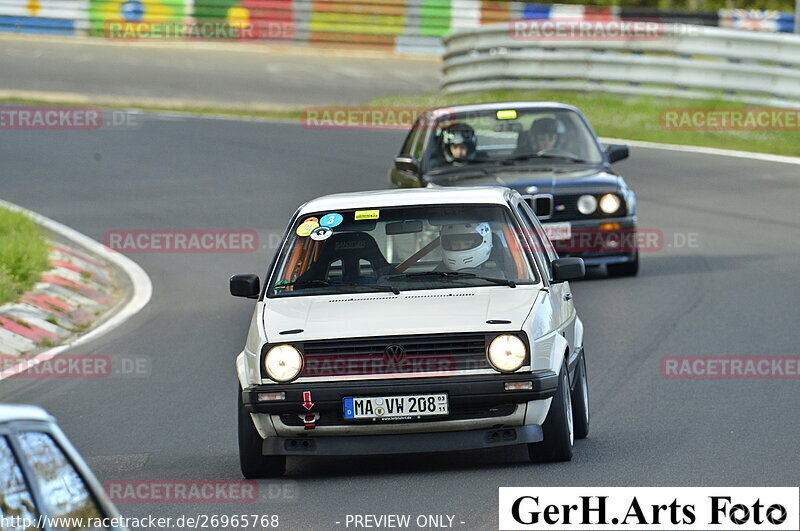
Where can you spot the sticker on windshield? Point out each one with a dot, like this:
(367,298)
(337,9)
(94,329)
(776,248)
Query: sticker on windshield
(307,226)
(367,214)
(331,220)
(509,114)
(321,233)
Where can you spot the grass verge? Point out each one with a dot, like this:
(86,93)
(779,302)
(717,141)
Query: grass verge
(615,116)
(24,253)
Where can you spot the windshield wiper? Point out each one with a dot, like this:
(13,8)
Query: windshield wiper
(326,283)
(454,275)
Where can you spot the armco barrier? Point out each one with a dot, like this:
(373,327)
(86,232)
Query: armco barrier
(406,26)
(687,61)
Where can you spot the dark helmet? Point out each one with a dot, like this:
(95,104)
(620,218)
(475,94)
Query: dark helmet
(544,126)
(456,134)
(547,127)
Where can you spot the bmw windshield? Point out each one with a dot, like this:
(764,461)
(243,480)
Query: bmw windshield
(401,248)
(475,139)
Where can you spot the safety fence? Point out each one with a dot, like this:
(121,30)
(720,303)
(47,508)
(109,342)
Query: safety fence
(651,58)
(406,26)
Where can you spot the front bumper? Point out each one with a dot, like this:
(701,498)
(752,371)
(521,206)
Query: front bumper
(464,392)
(401,444)
(600,246)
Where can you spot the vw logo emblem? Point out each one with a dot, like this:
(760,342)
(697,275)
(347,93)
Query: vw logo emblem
(395,350)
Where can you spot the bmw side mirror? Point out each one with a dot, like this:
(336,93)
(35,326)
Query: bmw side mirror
(247,286)
(409,164)
(568,269)
(615,153)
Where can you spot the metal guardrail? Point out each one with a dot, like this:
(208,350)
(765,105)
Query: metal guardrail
(684,61)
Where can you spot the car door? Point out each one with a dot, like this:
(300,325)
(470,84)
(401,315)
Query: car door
(63,484)
(560,292)
(18,511)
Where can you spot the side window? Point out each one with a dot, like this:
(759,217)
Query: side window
(64,492)
(409,141)
(541,242)
(420,143)
(16,503)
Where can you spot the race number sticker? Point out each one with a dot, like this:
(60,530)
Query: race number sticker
(307,226)
(367,214)
(331,220)
(321,233)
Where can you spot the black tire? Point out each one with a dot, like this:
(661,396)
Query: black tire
(254,464)
(558,427)
(626,269)
(580,400)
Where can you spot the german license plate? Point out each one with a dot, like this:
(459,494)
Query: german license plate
(558,231)
(395,407)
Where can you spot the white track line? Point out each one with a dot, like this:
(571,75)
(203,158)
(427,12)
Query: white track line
(705,150)
(142,287)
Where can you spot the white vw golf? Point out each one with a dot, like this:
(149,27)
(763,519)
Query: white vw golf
(419,320)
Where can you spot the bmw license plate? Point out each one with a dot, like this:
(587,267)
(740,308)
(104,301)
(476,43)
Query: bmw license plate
(558,231)
(404,407)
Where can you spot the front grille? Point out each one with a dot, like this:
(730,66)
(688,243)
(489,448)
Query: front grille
(430,353)
(542,205)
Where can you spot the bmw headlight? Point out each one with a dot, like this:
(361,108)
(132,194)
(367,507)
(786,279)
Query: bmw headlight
(507,353)
(609,203)
(587,204)
(283,363)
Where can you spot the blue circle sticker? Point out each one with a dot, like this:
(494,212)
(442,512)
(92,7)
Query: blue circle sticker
(330,220)
(132,10)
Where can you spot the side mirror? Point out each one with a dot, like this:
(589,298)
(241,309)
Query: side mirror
(245,286)
(409,164)
(615,153)
(568,269)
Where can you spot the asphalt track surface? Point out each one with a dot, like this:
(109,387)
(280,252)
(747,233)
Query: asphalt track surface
(206,73)
(734,292)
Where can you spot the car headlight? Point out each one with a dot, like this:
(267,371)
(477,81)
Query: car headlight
(609,203)
(507,353)
(283,363)
(587,204)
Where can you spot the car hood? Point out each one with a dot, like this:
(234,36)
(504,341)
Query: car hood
(531,180)
(411,312)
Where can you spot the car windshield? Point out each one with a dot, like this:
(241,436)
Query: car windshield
(401,248)
(510,136)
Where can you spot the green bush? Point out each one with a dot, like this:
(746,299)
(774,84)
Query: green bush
(24,254)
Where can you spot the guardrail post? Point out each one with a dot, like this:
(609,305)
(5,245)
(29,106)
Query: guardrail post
(797,16)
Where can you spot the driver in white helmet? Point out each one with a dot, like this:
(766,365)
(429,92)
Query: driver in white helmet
(465,245)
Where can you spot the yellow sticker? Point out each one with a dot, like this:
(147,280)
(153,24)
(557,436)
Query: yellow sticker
(367,214)
(307,227)
(510,114)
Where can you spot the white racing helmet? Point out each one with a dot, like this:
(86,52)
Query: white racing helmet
(465,245)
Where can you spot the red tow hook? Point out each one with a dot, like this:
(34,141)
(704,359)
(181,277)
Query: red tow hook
(310,420)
